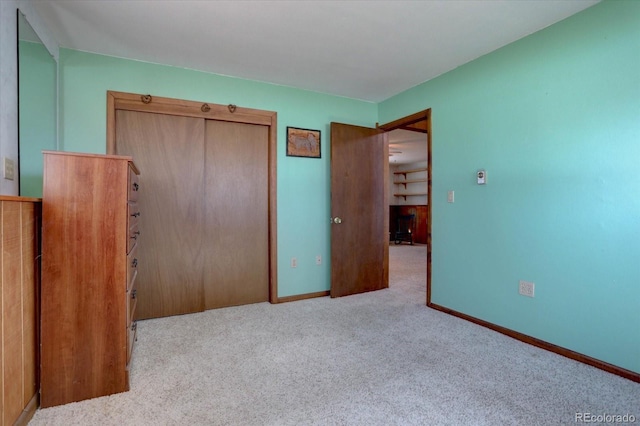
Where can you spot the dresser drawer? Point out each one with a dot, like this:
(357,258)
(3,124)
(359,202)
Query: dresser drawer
(133,213)
(132,267)
(132,330)
(132,301)
(134,185)
(134,235)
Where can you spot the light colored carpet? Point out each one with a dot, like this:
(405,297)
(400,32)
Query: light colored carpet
(380,358)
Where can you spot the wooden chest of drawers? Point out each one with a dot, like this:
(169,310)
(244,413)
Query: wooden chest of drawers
(89,266)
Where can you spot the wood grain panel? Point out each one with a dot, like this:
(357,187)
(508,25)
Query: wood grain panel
(19,280)
(359,245)
(169,154)
(237,220)
(83,277)
(30,271)
(13,362)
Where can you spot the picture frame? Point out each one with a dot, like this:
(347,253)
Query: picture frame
(303,142)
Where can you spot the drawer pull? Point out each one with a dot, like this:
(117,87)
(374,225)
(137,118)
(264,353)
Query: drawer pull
(134,263)
(135,235)
(134,293)
(134,326)
(136,214)
(135,186)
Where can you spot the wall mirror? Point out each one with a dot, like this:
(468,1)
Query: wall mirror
(37,106)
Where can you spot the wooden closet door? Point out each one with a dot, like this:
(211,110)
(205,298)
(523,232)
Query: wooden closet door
(168,151)
(237,210)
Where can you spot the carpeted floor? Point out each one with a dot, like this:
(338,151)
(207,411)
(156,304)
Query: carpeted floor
(380,358)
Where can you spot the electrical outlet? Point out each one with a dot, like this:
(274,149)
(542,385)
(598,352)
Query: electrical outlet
(318,260)
(527,289)
(294,262)
(8,169)
(451,197)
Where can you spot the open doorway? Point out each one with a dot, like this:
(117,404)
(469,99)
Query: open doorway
(410,195)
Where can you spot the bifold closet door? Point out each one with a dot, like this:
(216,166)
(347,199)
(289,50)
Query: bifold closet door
(168,151)
(237,210)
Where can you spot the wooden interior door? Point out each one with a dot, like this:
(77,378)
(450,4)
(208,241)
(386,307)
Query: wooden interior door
(237,220)
(359,200)
(168,151)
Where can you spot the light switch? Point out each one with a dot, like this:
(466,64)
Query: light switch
(8,168)
(451,196)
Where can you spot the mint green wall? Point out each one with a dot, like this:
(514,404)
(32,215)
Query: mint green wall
(37,106)
(303,184)
(555,120)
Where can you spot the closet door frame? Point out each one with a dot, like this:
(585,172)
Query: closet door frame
(159,105)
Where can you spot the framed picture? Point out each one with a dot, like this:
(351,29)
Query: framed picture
(303,142)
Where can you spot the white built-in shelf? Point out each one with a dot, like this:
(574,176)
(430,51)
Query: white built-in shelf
(404,172)
(405,181)
(412,194)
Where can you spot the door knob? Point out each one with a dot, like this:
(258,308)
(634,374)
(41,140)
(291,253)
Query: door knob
(337,220)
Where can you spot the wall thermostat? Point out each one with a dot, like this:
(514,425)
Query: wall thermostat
(482,177)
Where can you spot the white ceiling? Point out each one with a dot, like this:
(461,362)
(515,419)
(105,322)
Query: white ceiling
(367,50)
(406,147)
(25,32)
